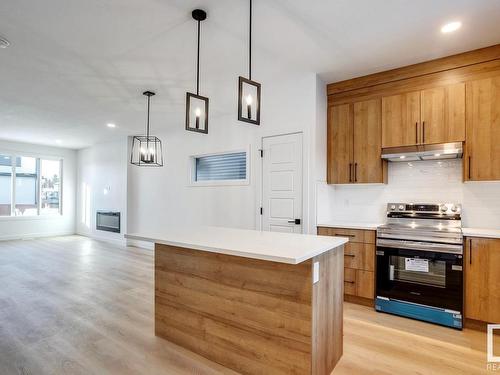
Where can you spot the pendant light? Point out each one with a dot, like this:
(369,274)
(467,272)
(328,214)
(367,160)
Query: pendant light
(197,105)
(147,149)
(248,90)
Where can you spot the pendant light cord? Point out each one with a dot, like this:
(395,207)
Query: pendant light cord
(250,45)
(198,62)
(147,126)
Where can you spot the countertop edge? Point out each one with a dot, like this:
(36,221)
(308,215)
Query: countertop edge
(481,232)
(360,226)
(280,259)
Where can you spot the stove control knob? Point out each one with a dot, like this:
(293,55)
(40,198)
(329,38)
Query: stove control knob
(401,207)
(444,208)
(393,207)
(454,208)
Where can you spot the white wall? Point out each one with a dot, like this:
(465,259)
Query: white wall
(102,185)
(38,226)
(427,181)
(162,197)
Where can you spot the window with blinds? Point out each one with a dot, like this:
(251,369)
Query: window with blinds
(221,167)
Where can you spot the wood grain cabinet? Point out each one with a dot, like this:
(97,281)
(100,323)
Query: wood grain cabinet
(355,144)
(482,151)
(359,263)
(482,279)
(443,114)
(435,115)
(401,120)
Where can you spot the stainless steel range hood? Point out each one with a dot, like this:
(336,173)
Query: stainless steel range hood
(424,152)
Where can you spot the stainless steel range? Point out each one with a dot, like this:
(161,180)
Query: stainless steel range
(419,263)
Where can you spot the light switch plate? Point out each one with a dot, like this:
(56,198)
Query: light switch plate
(315,272)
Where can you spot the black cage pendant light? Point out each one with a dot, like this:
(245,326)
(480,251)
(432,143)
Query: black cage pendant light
(248,90)
(197,105)
(146,149)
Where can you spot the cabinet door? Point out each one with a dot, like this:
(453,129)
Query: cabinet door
(365,284)
(367,126)
(482,279)
(339,144)
(482,153)
(443,114)
(401,120)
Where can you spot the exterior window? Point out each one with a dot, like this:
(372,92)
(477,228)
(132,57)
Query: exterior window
(50,186)
(221,167)
(5,185)
(29,186)
(26,186)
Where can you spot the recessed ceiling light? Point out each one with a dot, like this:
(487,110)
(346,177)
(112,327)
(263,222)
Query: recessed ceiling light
(111,125)
(58,141)
(451,26)
(4,43)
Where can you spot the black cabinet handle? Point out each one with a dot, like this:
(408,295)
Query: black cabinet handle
(470,250)
(469,166)
(416,133)
(350,255)
(355,172)
(423,131)
(349,282)
(350,172)
(344,235)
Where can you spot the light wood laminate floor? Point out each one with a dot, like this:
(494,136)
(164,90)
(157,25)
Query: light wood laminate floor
(71,305)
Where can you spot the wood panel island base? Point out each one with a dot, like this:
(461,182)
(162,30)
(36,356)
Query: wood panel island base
(254,311)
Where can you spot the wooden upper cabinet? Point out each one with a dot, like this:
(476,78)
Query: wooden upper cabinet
(482,152)
(443,114)
(482,279)
(401,119)
(339,144)
(368,166)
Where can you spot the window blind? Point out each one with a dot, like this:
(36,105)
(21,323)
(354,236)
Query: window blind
(231,166)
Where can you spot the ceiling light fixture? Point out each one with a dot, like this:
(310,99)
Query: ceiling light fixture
(4,43)
(111,125)
(451,26)
(147,149)
(248,90)
(197,105)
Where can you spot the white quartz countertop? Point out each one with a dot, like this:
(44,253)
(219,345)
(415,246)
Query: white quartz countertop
(480,232)
(349,225)
(289,248)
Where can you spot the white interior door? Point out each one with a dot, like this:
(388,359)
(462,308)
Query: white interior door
(282,183)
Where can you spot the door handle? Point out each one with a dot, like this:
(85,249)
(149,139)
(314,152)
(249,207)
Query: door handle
(350,172)
(294,221)
(416,133)
(423,131)
(355,172)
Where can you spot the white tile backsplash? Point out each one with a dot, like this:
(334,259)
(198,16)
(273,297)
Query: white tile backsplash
(424,181)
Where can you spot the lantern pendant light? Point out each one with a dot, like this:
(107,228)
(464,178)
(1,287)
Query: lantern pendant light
(147,149)
(248,90)
(197,105)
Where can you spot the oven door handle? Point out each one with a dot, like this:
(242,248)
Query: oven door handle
(422,246)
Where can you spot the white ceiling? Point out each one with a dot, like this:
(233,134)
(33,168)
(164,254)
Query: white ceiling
(76,65)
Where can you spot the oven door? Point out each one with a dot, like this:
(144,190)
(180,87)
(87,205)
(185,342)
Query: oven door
(427,277)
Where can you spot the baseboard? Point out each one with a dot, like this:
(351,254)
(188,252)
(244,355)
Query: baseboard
(359,300)
(35,235)
(141,244)
(116,241)
(478,325)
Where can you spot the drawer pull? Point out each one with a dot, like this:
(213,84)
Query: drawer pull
(344,235)
(350,255)
(349,282)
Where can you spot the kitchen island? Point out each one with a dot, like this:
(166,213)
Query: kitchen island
(255,302)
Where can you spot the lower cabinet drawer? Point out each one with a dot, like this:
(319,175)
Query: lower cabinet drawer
(359,283)
(350,281)
(360,256)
